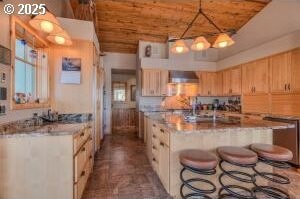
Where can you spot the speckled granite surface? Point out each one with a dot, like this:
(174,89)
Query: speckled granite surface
(177,123)
(68,124)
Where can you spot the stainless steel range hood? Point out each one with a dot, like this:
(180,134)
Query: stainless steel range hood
(183,77)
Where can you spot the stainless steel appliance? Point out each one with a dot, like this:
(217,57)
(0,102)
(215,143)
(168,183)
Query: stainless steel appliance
(288,138)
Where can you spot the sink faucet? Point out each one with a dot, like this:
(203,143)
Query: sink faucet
(215,113)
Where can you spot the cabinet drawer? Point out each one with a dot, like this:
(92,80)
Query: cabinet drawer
(80,161)
(164,137)
(81,138)
(80,185)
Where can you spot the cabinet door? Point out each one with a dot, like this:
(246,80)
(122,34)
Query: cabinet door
(164,165)
(219,84)
(247,80)
(261,76)
(226,82)
(146,83)
(164,79)
(236,81)
(204,83)
(212,79)
(279,65)
(294,84)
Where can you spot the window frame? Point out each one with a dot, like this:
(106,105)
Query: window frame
(14,22)
(113,97)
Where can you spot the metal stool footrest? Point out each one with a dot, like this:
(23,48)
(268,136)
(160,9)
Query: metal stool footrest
(236,191)
(273,177)
(187,183)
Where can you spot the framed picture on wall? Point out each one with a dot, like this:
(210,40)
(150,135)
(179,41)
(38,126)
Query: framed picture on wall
(71,70)
(133,92)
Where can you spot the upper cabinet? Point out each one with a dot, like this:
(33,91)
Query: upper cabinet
(154,82)
(295,72)
(285,72)
(232,81)
(255,77)
(279,71)
(208,83)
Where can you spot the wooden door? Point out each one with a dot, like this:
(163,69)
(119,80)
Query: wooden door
(261,76)
(226,82)
(219,84)
(164,80)
(279,65)
(294,83)
(151,82)
(236,80)
(247,80)
(124,120)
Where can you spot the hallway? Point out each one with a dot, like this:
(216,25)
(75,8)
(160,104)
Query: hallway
(122,171)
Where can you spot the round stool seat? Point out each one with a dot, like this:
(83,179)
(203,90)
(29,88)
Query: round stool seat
(272,152)
(198,159)
(237,155)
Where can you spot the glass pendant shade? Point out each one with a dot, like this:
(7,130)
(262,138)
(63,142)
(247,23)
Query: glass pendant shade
(223,40)
(61,38)
(179,47)
(46,23)
(200,43)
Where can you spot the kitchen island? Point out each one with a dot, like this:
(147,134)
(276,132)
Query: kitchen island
(168,134)
(49,160)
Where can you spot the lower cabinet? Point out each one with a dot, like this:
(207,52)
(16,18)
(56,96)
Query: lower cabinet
(83,160)
(160,153)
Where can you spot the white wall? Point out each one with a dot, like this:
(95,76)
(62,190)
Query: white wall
(114,61)
(277,19)
(281,44)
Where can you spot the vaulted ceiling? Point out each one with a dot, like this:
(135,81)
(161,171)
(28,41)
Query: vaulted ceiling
(122,23)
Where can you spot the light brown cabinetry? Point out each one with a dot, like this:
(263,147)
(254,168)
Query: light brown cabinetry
(232,81)
(255,77)
(280,72)
(208,83)
(160,152)
(219,84)
(154,82)
(285,72)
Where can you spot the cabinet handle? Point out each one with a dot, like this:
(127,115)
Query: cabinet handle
(153,160)
(289,87)
(82,134)
(91,156)
(154,125)
(162,144)
(161,130)
(285,86)
(83,149)
(154,136)
(254,89)
(154,147)
(82,173)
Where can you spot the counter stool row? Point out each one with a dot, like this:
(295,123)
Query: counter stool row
(205,163)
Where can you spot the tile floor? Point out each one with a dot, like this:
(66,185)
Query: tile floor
(122,171)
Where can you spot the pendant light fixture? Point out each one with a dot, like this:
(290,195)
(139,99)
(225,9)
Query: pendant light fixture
(200,43)
(179,47)
(46,23)
(61,38)
(223,40)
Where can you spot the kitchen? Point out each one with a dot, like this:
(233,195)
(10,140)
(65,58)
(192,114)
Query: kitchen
(149,99)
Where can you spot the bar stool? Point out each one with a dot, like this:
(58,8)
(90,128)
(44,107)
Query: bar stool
(197,162)
(277,157)
(240,157)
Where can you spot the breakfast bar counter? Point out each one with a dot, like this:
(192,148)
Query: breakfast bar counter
(169,134)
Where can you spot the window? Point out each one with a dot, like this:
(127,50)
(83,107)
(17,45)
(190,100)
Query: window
(30,71)
(119,91)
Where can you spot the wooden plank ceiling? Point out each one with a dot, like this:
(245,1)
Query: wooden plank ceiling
(122,23)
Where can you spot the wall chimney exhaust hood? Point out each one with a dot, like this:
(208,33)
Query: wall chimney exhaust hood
(176,77)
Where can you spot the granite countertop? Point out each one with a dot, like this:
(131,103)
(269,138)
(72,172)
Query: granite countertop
(177,123)
(55,129)
(67,124)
